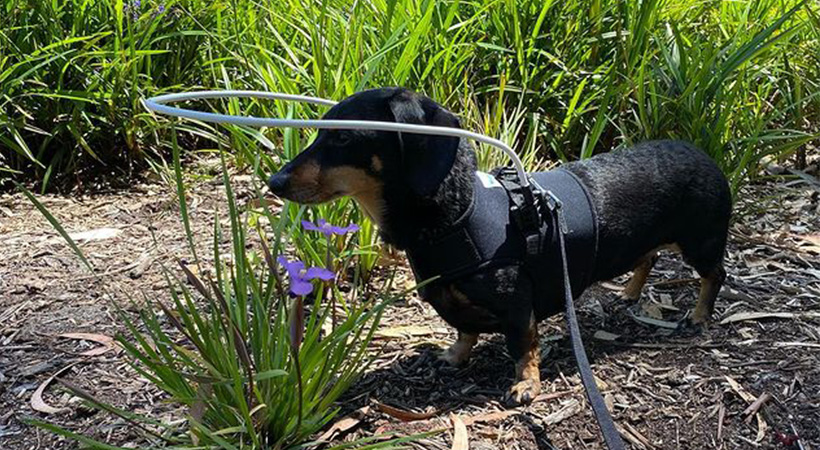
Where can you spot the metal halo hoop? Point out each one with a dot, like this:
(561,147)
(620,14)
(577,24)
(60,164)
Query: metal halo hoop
(159,104)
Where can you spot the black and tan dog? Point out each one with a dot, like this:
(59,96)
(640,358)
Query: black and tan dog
(662,194)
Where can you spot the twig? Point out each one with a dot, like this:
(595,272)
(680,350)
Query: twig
(674,282)
(664,346)
(121,269)
(639,436)
(756,405)
(721,416)
(753,363)
(799,441)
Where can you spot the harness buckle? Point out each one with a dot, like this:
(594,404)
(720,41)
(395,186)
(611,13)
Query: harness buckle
(524,208)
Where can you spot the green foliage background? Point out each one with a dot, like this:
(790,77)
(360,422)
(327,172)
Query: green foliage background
(557,79)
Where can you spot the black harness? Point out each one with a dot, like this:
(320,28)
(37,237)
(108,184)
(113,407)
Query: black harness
(528,226)
(499,229)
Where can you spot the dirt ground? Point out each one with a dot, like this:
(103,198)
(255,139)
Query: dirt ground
(752,380)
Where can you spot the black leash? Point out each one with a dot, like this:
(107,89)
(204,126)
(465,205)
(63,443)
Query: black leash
(529,207)
(596,400)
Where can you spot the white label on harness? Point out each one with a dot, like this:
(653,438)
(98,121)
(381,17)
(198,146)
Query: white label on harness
(487,180)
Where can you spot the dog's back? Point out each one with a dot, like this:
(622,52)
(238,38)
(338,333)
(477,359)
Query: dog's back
(654,194)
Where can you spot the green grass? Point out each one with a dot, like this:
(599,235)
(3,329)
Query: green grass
(252,364)
(556,79)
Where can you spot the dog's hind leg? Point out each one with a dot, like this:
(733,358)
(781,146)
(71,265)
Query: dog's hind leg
(707,259)
(523,346)
(710,285)
(640,273)
(459,352)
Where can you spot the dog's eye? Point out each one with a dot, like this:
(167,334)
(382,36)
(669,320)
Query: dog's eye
(342,139)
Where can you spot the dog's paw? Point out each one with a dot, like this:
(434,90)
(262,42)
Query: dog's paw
(688,327)
(630,295)
(454,356)
(523,392)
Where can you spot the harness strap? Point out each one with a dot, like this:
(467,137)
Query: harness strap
(596,400)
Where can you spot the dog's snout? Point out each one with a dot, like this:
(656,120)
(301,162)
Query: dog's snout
(278,183)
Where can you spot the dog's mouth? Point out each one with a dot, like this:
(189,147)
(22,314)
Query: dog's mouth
(310,194)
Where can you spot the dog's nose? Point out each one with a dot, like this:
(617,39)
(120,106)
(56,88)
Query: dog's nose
(278,183)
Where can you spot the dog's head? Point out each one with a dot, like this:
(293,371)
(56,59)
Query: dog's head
(362,164)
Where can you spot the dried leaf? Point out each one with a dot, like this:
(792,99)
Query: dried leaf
(405,331)
(402,414)
(196,282)
(652,310)
(345,424)
(809,242)
(297,324)
(106,341)
(605,335)
(655,322)
(198,408)
(744,316)
(37,402)
(460,438)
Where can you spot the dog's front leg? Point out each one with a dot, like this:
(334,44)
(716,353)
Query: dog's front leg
(522,343)
(459,352)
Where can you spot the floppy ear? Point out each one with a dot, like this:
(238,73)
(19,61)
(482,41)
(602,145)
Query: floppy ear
(427,159)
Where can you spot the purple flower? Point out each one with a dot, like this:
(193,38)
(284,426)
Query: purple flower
(160,9)
(300,277)
(133,8)
(327,229)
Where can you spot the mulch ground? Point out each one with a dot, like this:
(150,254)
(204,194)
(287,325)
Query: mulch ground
(751,380)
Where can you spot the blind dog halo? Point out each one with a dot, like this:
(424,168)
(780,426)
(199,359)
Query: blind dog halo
(159,104)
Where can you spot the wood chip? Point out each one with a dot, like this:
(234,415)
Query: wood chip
(490,417)
(796,344)
(629,437)
(97,234)
(745,395)
(611,286)
(569,409)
